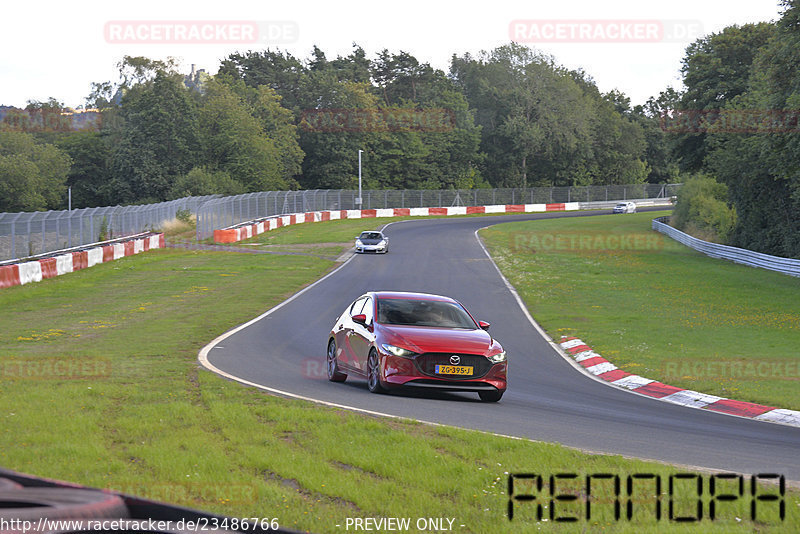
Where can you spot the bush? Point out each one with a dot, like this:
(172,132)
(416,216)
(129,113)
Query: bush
(702,209)
(184,216)
(105,231)
(201,181)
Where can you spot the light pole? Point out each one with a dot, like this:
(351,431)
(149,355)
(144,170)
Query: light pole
(358,200)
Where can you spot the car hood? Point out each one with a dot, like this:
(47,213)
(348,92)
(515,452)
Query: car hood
(431,339)
(370,241)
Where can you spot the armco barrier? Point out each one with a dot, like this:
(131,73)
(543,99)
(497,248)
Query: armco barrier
(739,255)
(252,228)
(25,272)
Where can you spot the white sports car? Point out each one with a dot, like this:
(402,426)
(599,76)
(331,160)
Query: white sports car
(625,207)
(372,241)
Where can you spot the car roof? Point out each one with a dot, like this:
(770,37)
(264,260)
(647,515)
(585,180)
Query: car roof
(410,295)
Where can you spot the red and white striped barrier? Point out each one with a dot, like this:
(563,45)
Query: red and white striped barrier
(598,366)
(248,230)
(18,274)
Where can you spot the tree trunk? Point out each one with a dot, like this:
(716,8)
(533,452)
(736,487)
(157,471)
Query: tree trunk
(524,172)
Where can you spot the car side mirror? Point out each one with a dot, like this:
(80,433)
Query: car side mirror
(484,325)
(360,318)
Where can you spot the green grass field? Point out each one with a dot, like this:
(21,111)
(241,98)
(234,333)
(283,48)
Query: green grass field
(100,386)
(656,308)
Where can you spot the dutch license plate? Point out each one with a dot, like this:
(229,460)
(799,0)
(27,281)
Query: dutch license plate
(461,370)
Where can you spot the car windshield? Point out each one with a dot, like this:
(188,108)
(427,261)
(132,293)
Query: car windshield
(620,205)
(370,235)
(420,312)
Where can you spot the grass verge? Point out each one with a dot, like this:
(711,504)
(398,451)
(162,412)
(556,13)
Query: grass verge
(100,386)
(656,308)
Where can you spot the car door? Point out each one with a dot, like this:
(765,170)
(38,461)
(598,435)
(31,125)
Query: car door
(362,336)
(346,336)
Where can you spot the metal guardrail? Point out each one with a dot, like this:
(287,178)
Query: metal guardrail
(640,203)
(788,266)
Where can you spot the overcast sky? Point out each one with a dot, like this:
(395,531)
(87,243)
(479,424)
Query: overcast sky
(56,49)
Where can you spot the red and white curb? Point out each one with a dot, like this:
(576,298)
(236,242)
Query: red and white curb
(18,274)
(598,366)
(248,230)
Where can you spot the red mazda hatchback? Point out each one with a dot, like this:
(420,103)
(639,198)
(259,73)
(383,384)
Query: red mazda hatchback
(398,339)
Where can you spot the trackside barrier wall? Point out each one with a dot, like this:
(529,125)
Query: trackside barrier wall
(236,210)
(32,233)
(252,228)
(249,229)
(25,272)
(39,232)
(739,255)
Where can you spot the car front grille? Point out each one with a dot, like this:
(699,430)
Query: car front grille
(427,362)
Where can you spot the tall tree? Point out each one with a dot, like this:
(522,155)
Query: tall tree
(89,174)
(234,140)
(158,139)
(32,174)
(716,69)
(761,166)
(279,70)
(544,125)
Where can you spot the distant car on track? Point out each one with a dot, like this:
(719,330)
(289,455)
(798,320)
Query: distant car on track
(372,241)
(625,207)
(396,339)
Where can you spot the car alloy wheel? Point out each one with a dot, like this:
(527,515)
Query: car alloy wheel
(373,373)
(334,375)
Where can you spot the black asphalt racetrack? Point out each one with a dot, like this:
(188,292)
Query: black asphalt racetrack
(547,398)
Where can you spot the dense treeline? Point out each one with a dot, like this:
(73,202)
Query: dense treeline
(267,120)
(509,117)
(737,121)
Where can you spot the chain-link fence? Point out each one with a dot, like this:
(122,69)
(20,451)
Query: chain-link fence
(32,233)
(228,211)
(28,234)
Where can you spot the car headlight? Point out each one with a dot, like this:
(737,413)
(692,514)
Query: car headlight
(397,351)
(382,243)
(358,243)
(497,358)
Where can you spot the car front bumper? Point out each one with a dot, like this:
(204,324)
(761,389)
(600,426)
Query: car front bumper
(397,371)
(375,249)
